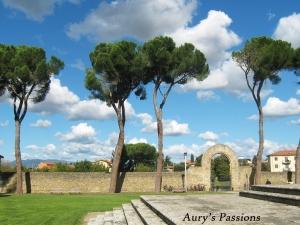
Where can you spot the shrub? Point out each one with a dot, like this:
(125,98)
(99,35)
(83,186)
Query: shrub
(179,167)
(168,188)
(196,187)
(143,168)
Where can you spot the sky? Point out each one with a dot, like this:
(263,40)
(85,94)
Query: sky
(71,126)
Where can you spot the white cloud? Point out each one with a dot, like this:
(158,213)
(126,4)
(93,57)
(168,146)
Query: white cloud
(228,77)
(176,151)
(36,10)
(90,151)
(1,142)
(171,127)
(79,64)
(209,136)
(278,108)
(137,140)
(112,139)
(141,19)
(288,29)
(58,100)
(4,124)
(211,35)
(248,147)
(41,124)
(81,133)
(298,92)
(253,117)
(206,95)
(271,16)
(4,98)
(214,37)
(145,118)
(89,110)
(61,99)
(48,149)
(295,122)
(74,150)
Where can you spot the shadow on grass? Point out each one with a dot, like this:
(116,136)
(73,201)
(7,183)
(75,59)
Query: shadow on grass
(4,195)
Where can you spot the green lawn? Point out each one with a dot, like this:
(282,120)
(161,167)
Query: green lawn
(47,209)
(38,209)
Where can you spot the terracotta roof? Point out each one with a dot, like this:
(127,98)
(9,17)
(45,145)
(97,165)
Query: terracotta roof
(284,153)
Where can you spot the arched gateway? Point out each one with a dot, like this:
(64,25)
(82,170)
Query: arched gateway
(233,162)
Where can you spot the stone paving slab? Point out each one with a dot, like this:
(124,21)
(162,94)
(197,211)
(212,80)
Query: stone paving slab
(108,218)
(119,217)
(222,209)
(290,189)
(94,218)
(285,186)
(131,215)
(275,197)
(146,214)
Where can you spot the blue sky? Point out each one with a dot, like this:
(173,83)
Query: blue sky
(70,126)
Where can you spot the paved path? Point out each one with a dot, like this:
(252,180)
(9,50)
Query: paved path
(220,209)
(208,209)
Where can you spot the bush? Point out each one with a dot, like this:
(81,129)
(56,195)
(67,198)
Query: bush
(143,168)
(179,167)
(62,167)
(44,169)
(168,188)
(99,168)
(196,187)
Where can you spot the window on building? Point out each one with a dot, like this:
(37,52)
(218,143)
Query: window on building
(276,158)
(276,166)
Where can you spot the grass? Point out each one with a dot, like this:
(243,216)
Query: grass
(46,209)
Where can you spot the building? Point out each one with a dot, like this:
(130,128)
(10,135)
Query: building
(281,161)
(46,165)
(190,163)
(245,162)
(169,168)
(104,162)
(1,157)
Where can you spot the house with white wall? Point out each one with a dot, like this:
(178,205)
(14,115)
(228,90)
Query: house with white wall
(281,161)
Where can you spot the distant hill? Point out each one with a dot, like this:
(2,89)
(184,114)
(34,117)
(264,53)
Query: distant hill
(33,163)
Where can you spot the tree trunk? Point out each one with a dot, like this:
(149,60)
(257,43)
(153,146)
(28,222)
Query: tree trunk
(18,158)
(297,172)
(260,147)
(160,157)
(117,155)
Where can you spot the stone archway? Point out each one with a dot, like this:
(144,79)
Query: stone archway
(233,162)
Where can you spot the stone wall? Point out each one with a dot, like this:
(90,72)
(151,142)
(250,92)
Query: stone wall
(46,182)
(245,177)
(276,178)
